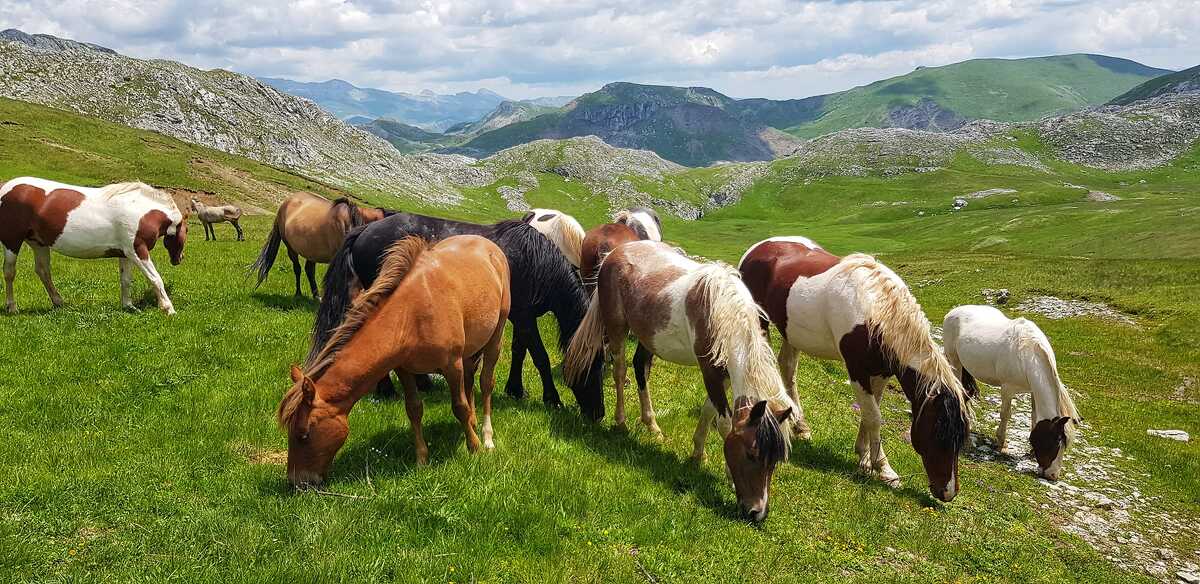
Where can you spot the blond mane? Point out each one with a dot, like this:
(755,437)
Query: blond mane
(118,189)
(565,232)
(737,340)
(400,259)
(895,318)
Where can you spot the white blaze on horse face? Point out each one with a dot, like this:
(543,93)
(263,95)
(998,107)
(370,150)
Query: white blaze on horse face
(649,224)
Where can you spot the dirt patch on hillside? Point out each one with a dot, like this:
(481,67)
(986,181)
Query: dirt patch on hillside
(258,455)
(254,196)
(1097,499)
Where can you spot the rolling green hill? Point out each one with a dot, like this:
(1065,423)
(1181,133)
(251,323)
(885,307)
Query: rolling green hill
(1187,80)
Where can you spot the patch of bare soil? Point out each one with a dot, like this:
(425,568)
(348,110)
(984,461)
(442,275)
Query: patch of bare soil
(1097,499)
(254,196)
(258,455)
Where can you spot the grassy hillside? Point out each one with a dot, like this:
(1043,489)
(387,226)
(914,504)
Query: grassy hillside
(1186,80)
(995,89)
(156,456)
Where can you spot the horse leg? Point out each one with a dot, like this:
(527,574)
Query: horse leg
(147,267)
(10,273)
(708,415)
(126,281)
(238,227)
(515,386)
(295,257)
(789,357)
(1002,428)
(537,351)
(643,359)
(879,459)
(415,409)
(462,409)
(487,383)
(616,348)
(310,268)
(41,265)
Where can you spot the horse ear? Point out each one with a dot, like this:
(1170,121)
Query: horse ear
(297,374)
(1061,423)
(757,412)
(783,415)
(741,411)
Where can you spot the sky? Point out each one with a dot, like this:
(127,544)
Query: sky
(530,48)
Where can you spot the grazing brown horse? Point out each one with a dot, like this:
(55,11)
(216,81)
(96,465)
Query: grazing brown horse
(856,310)
(313,228)
(629,225)
(432,309)
(699,315)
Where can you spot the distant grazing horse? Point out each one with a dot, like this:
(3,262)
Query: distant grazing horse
(439,308)
(699,315)
(123,220)
(217,214)
(312,227)
(630,225)
(560,228)
(857,310)
(542,281)
(983,344)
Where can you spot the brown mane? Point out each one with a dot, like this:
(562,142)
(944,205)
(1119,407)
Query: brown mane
(400,258)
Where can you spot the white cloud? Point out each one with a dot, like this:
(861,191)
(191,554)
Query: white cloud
(770,48)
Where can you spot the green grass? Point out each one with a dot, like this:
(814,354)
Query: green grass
(137,447)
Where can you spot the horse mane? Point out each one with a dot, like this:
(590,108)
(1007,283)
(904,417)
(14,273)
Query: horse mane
(355,215)
(895,318)
(289,406)
(566,233)
(400,259)
(1031,339)
(737,335)
(542,274)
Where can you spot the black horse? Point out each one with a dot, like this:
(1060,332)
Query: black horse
(542,281)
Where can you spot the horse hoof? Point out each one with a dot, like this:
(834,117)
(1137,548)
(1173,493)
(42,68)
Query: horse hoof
(489,444)
(620,425)
(698,458)
(169,311)
(892,481)
(11,309)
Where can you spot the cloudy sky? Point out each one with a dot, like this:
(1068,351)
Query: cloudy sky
(526,48)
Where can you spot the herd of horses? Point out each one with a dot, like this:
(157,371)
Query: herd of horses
(416,295)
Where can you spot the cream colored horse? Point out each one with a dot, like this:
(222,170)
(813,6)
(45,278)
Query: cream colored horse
(217,214)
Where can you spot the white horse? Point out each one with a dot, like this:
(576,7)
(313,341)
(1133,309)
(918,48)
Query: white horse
(217,214)
(563,230)
(982,343)
(123,220)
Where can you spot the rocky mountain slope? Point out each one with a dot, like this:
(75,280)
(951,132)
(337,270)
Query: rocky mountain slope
(405,138)
(222,110)
(426,110)
(507,113)
(1186,81)
(697,126)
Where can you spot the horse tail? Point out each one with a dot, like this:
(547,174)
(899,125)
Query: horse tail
(266,257)
(586,343)
(336,300)
(969,385)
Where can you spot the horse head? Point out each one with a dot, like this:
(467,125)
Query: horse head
(939,430)
(1049,440)
(316,431)
(174,240)
(753,449)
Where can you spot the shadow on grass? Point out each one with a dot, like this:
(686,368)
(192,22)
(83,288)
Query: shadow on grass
(681,475)
(818,456)
(285,301)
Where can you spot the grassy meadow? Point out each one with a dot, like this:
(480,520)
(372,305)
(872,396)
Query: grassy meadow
(140,448)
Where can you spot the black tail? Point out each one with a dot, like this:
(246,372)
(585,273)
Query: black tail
(969,385)
(335,300)
(266,257)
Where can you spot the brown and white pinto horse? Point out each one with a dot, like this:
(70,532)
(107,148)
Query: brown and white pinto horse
(700,315)
(857,310)
(629,225)
(311,227)
(123,220)
(432,309)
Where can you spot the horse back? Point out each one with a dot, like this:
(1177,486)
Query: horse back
(36,211)
(772,267)
(598,242)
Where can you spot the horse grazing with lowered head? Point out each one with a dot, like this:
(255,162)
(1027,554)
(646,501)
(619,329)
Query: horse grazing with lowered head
(311,227)
(437,308)
(123,220)
(629,225)
(982,343)
(563,230)
(857,310)
(699,315)
(217,214)
(542,281)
